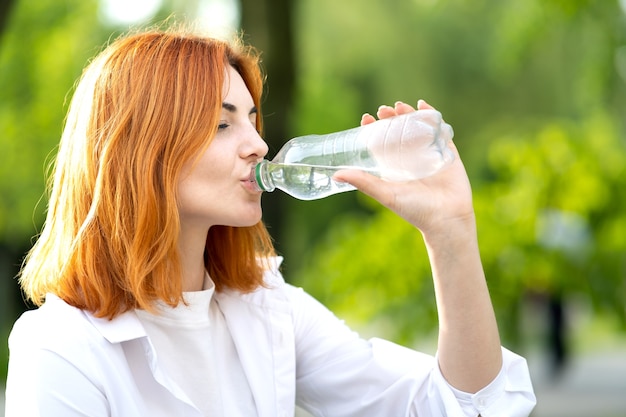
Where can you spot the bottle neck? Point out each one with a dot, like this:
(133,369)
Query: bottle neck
(263,177)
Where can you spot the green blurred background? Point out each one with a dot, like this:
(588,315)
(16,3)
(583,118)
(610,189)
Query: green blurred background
(535,91)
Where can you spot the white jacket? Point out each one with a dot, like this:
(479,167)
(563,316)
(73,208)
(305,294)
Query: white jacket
(65,362)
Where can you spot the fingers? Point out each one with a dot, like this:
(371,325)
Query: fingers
(367,119)
(402,108)
(385,111)
(399,107)
(422,105)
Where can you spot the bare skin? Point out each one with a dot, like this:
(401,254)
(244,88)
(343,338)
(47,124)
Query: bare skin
(215,188)
(441,208)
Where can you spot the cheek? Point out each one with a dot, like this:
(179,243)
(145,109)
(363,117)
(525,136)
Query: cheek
(207,176)
(217,160)
(205,181)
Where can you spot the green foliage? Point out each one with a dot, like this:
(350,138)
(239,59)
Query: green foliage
(534,92)
(368,268)
(550,219)
(42,53)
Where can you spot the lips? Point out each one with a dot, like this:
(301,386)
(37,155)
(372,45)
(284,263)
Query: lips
(250,183)
(250,180)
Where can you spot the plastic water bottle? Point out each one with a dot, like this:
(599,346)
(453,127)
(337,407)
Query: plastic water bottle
(399,148)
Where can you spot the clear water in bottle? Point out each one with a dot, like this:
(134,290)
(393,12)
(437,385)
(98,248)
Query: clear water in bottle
(400,148)
(308,182)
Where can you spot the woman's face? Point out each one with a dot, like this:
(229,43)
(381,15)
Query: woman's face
(216,189)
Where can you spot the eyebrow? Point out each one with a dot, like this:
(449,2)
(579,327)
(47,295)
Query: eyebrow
(233,109)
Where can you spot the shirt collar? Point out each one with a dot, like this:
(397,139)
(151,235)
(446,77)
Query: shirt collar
(127,326)
(122,328)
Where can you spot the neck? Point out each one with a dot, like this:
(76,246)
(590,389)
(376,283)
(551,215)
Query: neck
(191,248)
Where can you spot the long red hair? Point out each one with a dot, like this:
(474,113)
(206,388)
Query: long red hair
(149,103)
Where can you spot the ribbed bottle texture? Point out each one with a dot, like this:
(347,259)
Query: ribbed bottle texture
(400,148)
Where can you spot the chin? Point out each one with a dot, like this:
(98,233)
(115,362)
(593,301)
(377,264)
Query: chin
(249,219)
(240,224)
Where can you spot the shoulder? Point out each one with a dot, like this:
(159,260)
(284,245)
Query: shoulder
(55,320)
(61,328)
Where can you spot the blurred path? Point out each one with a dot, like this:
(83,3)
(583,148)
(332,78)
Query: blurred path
(594,385)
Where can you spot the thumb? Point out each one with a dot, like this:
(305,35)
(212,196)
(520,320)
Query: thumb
(367,183)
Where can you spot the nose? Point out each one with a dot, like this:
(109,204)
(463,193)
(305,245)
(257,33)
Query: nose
(255,145)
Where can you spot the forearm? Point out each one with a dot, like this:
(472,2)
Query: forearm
(469,344)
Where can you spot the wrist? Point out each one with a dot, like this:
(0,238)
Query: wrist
(457,230)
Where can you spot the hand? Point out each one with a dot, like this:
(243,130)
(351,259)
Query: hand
(431,204)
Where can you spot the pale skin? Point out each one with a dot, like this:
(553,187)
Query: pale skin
(441,208)
(216,191)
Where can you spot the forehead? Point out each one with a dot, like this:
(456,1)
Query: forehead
(235,89)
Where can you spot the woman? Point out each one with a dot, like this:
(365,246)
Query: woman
(159,290)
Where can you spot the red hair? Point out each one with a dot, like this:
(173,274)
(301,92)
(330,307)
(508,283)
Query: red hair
(143,108)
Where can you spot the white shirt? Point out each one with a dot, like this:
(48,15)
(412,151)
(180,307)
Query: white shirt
(195,348)
(65,362)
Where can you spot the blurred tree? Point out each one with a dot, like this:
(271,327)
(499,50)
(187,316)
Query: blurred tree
(269,26)
(559,194)
(533,93)
(5,10)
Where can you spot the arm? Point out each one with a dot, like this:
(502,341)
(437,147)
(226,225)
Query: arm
(441,208)
(469,345)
